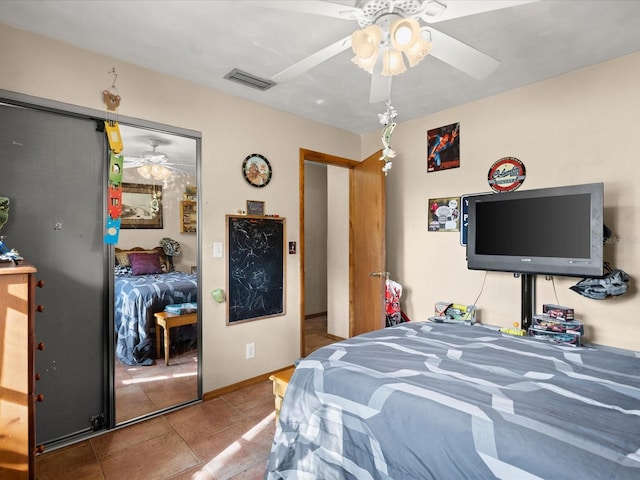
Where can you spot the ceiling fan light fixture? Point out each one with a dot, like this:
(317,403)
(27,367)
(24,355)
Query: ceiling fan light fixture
(404,33)
(144,171)
(365,43)
(420,49)
(160,172)
(155,171)
(392,63)
(367,64)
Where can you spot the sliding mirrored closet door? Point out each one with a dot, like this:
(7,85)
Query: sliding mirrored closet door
(156,361)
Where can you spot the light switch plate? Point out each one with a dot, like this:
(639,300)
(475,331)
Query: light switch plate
(217,249)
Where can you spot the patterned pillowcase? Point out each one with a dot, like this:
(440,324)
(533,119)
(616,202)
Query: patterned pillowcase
(145,263)
(122,270)
(122,257)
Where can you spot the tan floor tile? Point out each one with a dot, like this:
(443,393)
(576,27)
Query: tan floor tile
(206,418)
(231,451)
(165,394)
(254,473)
(132,402)
(156,459)
(77,462)
(126,437)
(196,473)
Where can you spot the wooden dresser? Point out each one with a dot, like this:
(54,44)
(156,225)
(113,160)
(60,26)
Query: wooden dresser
(17,378)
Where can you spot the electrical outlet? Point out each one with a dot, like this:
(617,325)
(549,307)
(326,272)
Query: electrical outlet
(251,350)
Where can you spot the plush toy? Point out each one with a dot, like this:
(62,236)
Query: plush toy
(111,100)
(4,211)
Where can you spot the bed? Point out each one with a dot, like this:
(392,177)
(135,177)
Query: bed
(426,400)
(144,285)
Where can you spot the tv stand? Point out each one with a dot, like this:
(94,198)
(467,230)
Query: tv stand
(527,299)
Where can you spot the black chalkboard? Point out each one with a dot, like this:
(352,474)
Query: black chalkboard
(255,268)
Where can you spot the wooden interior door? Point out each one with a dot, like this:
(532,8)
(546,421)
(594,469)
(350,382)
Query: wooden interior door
(368,245)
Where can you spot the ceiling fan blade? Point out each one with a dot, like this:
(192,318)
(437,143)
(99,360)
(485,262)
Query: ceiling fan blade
(461,56)
(312,60)
(131,162)
(439,11)
(316,7)
(380,87)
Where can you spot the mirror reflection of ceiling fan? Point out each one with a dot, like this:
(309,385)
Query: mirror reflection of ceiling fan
(155,164)
(384,27)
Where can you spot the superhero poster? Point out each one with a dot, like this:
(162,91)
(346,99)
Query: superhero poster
(443,147)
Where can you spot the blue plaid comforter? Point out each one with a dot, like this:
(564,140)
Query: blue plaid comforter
(137,298)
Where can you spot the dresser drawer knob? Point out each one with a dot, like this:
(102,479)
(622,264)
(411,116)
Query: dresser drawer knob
(39,449)
(40,398)
(40,346)
(38,376)
(40,283)
(40,308)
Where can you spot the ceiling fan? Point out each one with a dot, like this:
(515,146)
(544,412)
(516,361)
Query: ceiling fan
(383,13)
(154,164)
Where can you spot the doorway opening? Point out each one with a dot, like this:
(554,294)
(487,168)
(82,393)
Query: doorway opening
(355,235)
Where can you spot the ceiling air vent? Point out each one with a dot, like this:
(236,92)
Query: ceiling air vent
(249,80)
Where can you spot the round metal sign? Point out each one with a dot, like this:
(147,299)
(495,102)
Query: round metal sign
(506,175)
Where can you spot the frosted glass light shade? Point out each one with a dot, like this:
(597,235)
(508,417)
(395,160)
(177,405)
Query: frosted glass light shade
(418,51)
(156,171)
(404,33)
(366,42)
(392,63)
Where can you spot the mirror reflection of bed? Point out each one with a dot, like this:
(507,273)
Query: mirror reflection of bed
(155,265)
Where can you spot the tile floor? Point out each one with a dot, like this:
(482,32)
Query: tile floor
(227,438)
(142,390)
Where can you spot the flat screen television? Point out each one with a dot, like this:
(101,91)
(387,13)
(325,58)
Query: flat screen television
(551,231)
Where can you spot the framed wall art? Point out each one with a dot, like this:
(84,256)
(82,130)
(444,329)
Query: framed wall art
(444,214)
(141,206)
(255,207)
(443,146)
(256,170)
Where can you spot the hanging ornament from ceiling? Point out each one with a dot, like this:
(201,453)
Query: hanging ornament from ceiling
(387,119)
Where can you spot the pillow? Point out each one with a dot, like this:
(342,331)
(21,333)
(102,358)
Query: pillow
(122,256)
(145,263)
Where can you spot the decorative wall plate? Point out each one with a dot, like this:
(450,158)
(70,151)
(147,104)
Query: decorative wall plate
(506,175)
(256,170)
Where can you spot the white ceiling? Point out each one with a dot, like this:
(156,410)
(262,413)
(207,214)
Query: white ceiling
(202,41)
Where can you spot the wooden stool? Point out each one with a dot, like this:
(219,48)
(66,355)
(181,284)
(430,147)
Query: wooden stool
(280,381)
(167,321)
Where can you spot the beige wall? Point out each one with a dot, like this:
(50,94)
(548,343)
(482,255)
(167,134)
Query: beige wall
(231,129)
(337,243)
(315,238)
(577,128)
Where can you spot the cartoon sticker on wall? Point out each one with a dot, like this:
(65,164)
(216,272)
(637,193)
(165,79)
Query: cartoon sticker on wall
(444,214)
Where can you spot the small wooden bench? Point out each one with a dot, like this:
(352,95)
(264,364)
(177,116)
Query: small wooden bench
(280,381)
(168,321)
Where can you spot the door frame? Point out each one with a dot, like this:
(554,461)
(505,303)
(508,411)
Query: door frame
(326,159)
